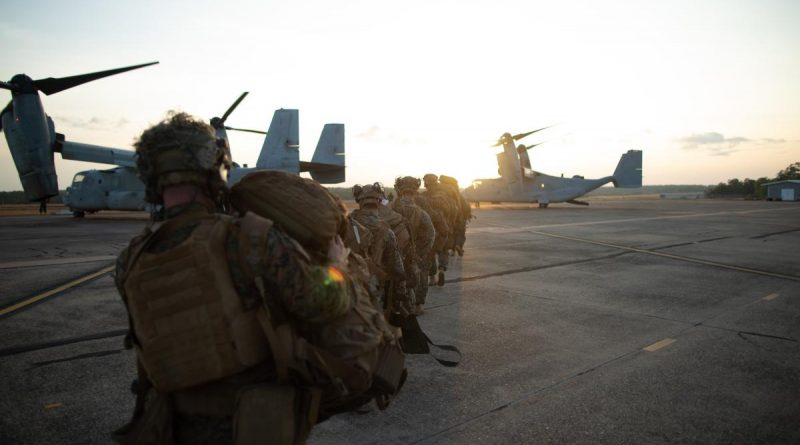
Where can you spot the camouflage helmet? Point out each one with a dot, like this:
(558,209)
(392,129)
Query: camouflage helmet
(406,183)
(449,180)
(368,192)
(179,150)
(430,179)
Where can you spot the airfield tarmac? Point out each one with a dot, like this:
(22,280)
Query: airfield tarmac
(628,321)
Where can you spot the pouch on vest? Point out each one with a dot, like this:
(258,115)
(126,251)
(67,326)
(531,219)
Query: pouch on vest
(274,414)
(188,317)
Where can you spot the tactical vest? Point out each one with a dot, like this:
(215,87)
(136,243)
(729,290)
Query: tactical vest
(189,320)
(401,230)
(411,213)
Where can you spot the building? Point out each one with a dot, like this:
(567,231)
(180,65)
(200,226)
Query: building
(788,190)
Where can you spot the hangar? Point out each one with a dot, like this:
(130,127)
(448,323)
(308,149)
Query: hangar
(788,190)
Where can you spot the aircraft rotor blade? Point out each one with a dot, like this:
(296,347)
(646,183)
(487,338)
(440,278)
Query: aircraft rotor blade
(245,129)
(8,86)
(8,109)
(53,85)
(530,146)
(519,136)
(231,108)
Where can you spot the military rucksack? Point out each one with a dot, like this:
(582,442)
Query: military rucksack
(355,357)
(299,206)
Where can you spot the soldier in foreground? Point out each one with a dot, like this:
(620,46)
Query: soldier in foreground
(219,307)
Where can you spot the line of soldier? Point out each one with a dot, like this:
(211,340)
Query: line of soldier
(246,331)
(411,237)
(254,317)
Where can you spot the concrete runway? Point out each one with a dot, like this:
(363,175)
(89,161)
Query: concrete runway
(628,321)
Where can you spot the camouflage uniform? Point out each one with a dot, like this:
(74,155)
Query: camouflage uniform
(384,252)
(440,201)
(268,271)
(422,232)
(462,214)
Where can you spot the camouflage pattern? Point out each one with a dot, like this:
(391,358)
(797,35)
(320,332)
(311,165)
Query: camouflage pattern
(422,233)
(462,214)
(370,192)
(439,200)
(385,258)
(181,149)
(300,287)
(294,287)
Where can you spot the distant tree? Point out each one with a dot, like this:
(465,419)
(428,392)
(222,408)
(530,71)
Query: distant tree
(790,172)
(750,188)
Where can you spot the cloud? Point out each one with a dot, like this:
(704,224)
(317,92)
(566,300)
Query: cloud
(370,133)
(717,144)
(93,123)
(377,134)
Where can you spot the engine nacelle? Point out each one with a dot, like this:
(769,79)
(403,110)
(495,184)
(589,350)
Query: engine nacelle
(31,135)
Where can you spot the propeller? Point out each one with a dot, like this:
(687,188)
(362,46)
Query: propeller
(519,136)
(219,122)
(245,129)
(521,146)
(52,85)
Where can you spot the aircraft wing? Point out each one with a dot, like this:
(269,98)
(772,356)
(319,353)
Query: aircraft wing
(76,151)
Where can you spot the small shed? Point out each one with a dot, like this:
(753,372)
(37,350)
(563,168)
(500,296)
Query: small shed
(788,190)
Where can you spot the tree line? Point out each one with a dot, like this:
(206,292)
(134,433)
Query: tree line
(752,188)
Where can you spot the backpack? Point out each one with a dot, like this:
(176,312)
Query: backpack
(299,206)
(353,358)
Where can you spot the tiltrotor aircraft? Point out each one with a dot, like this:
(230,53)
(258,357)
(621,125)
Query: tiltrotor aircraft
(33,141)
(519,183)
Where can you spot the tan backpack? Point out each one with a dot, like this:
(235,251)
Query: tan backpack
(299,206)
(354,358)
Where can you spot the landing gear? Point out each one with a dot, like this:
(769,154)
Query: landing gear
(543,205)
(78,213)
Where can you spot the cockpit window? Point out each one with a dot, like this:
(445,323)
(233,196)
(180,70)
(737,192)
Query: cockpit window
(78,178)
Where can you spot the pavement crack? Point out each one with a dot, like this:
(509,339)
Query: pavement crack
(757,334)
(766,235)
(691,243)
(532,268)
(523,397)
(75,357)
(13,350)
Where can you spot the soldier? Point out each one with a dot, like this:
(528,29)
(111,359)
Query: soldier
(384,253)
(440,201)
(205,293)
(463,213)
(422,232)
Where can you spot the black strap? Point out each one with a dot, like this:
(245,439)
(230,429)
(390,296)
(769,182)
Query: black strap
(447,363)
(415,341)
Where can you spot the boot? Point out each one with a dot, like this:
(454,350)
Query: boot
(440,281)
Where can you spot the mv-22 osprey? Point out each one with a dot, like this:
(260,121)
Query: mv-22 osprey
(519,183)
(33,141)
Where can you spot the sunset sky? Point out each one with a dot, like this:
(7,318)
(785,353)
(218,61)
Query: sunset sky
(709,90)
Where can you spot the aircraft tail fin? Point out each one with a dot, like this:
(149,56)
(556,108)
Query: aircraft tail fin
(629,170)
(280,149)
(327,164)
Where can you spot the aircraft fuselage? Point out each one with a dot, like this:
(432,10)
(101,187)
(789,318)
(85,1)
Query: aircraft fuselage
(536,188)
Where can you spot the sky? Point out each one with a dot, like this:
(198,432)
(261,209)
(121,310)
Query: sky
(708,89)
